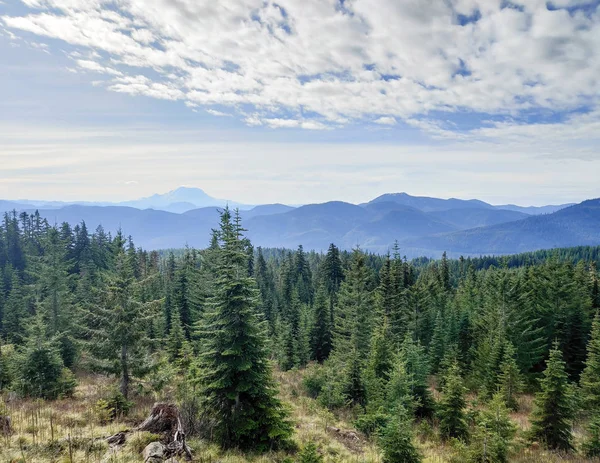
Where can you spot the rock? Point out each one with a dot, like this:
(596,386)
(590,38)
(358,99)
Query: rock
(154,453)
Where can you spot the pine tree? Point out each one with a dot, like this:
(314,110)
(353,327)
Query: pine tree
(353,317)
(118,328)
(38,368)
(321,329)
(303,339)
(494,433)
(381,358)
(553,411)
(437,348)
(417,367)
(590,378)
(15,313)
(239,396)
(354,386)
(591,445)
(452,406)
(397,438)
(176,339)
(510,381)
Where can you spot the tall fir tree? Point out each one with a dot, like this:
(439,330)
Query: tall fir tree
(239,396)
(451,410)
(590,378)
(553,413)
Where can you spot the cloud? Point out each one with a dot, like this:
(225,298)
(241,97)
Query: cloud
(319,64)
(386,120)
(214,112)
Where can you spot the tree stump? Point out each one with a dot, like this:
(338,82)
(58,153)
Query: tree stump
(164,420)
(5,425)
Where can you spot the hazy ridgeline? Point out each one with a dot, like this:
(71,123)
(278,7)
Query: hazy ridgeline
(279,355)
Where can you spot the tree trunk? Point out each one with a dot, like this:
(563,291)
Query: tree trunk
(124,372)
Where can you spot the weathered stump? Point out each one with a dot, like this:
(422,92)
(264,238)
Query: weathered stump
(5,425)
(164,420)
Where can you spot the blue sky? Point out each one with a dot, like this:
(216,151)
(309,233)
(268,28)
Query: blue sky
(299,102)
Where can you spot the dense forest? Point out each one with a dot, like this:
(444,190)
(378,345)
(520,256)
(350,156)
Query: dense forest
(408,353)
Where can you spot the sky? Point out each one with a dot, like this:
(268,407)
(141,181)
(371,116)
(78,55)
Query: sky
(300,101)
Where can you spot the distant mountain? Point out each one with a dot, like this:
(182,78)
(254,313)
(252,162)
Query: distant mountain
(422,225)
(427,204)
(466,218)
(535,210)
(180,200)
(380,233)
(314,225)
(577,225)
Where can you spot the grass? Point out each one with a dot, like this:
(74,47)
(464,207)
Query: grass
(70,431)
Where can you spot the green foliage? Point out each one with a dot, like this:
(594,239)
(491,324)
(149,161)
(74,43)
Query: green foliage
(114,406)
(451,410)
(310,454)
(38,369)
(237,389)
(510,382)
(314,379)
(494,432)
(590,378)
(591,445)
(554,409)
(396,440)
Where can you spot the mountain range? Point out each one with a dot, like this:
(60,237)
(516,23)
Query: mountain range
(421,225)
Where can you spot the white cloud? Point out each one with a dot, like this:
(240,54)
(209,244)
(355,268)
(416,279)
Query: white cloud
(214,112)
(94,66)
(386,120)
(315,64)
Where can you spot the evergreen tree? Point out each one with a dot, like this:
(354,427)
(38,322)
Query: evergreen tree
(310,454)
(176,339)
(510,382)
(353,317)
(590,378)
(437,348)
(238,391)
(591,445)
(417,367)
(553,406)
(118,328)
(15,313)
(397,438)
(38,368)
(494,433)
(321,329)
(451,410)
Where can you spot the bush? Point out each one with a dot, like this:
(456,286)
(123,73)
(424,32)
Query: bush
(38,371)
(314,380)
(372,423)
(112,407)
(310,454)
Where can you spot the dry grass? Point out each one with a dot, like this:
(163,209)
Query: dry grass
(67,431)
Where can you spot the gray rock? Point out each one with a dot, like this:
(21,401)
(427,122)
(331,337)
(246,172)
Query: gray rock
(154,452)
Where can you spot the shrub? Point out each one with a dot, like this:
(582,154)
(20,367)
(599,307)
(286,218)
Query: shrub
(310,454)
(314,380)
(372,423)
(38,371)
(112,407)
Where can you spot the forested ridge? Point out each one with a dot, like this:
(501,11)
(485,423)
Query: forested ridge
(416,356)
